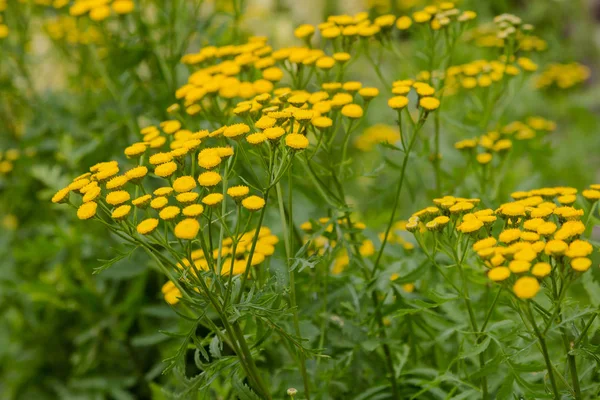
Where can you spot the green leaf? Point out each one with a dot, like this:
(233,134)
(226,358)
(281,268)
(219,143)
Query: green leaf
(242,391)
(215,347)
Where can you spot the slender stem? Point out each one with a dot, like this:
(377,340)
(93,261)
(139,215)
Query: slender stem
(544,348)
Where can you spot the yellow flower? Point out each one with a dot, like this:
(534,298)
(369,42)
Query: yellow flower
(193,210)
(209,178)
(212,199)
(147,226)
(304,31)
(353,111)
(274,133)
(398,102)
(136,149)
(61,196)
(238,191)
(581,264)
(169,212)
(163,191)
(209,160)
(184,184)
(591,194)
(556,247)
(541,269)
(403,23)
(137,173)
(526,287)
(498,274)
(253,203)
(368,93)
(421,16)
(159,202)
(142,201)
(256,138)
(509,235)
(322,122)
(470,226)
(87,210)
(91,194)
(484,158)
(518,266)
(187,229)
(165,170)
(171,292)
(171,126)
(123,6)
(118,197)
(429,103)
(512,210)
(273,74)
(579,248)
(121,212)
(484,243)
(546,228)
(236,130)
(296,141)
(117,182)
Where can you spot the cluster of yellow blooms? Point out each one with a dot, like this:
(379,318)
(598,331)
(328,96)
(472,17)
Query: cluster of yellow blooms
(231,264)
(541,232)
(65,28)
(99,10)
(500,141)
(479,73)
(562,76)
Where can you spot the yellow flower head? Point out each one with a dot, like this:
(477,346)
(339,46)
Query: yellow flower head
(87,210)
(398,102)
(353,111)
(187,229)
(121,212)
(118,197)
(238,191)
(499,274)
(209,179)
(526,287)
(253,203)
(212,199)
(296,141)
(193,210)
(147,226)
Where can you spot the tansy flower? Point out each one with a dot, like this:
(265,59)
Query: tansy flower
(193,210)
(581,264)
(265,122)
(169,212)
(188,197)
(526,287)
(541,269)
(253,203)
(256,138)
(123,6)
(556,247)
(499,274)
(368,93)
(160,158)
(87,210)
(484,243)
(76,185)
(135,150)
(118,197)
(274,133)
(212,199)
(165,170)
(403,23)
(546,228)
(238,191)
(209,179)
(91,194)
(61,196)
(171,292)
(322,122)
(159,202)
(170,127)
(518,266)
(236,130)
(470,226)
(209,160)
(163,191)
(141,201)
(509,235)
(184,184)
(117,182)
(429,103)
(296,141)
(353,111)
(147,226)
(398,102)
(137,173)
(304,31)
(484,158)
(579,248)
(187,229)
(591,194)
(512,210)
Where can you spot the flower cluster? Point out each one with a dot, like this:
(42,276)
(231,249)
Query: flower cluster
(541,234)
(562,76)
(376,134)
(500,141)
(506,28)
(101,10)
(232,264)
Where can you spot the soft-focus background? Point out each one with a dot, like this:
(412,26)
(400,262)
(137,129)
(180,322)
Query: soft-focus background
(67,333)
